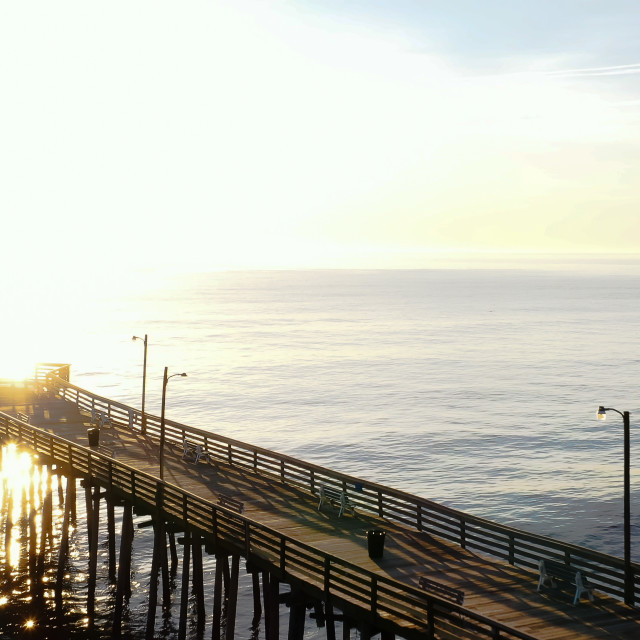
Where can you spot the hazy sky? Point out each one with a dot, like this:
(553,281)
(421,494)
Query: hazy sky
(316,133)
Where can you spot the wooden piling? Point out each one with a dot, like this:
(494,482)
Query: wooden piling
(198,582)
(123,585)
(270,594)
(173,553)
(184,597)
(329,619)
(111,537)
(297,614)
(232,598)
(217,597)
(257,603)
(33,532)
(347,623)
(164,566)
(153,583)
(63,552)
(93,555)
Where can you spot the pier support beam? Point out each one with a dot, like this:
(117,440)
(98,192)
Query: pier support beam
(271,595)
(217,598)
(297,614)
(232,598)
(123,586)
(94,521)
(184,597)
(198,582)
(63,553)
(111,537)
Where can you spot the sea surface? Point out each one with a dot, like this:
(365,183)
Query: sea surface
(473,387)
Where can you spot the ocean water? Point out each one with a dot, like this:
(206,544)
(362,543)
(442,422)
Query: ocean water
(476,388)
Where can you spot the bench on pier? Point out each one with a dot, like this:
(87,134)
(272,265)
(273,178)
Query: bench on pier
(552,571)
(335,497)
(441,590)
(195,452)
(230,503)
(100,419)
(23,417)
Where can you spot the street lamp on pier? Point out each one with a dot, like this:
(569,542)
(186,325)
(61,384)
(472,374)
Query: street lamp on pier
(144,379)
(628,571)
(165,381)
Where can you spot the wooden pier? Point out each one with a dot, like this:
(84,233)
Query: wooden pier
(271,519)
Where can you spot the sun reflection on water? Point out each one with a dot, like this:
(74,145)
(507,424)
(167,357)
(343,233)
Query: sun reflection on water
(19,481)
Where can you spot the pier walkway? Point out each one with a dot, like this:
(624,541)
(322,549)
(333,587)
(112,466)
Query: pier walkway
(326,553)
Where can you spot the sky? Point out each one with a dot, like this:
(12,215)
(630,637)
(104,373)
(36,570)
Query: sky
(205,135)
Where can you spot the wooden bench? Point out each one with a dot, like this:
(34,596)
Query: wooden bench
(23,417)
(100,419)
(336,497)
(230,503)
(194,451)
(552,571)
(441,590)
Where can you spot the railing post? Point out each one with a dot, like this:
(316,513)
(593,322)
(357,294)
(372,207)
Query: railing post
(160,497)
(463,534)
(374,594)
(327,576)
(431,620)
(214,524)
(283,562)
(247,539)
(629,585)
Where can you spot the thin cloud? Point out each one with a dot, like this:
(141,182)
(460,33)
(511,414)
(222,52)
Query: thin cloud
(617,70)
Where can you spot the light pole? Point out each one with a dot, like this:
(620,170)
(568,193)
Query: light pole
(164,397)
(144,379)
(628,572)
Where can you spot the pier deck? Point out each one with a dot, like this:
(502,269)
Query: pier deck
(493,589)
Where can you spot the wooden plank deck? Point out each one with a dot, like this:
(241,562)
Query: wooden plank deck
(493,589)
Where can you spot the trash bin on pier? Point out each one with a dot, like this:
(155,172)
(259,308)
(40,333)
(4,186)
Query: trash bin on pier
(94,437)
(375,542)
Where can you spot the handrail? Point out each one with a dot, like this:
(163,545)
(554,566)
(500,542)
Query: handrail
(375,596)
(515,546)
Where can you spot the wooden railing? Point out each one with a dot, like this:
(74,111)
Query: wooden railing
(385,602)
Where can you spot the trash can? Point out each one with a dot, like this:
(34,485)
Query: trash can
(375,542)
(94,437)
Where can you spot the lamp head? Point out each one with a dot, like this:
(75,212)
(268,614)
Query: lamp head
(602,413)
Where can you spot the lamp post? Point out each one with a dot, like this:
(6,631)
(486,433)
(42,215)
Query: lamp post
(144,379)
(628,572)
(164,396)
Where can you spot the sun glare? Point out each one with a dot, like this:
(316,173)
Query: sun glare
(16,466)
